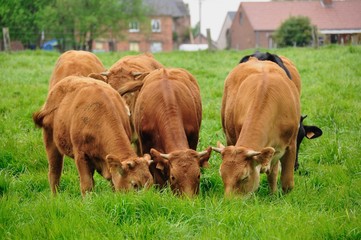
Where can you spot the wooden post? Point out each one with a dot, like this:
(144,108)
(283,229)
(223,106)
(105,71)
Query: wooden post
(7,46)
(315,42)
(209,40)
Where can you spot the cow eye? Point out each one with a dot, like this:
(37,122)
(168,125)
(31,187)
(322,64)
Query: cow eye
(199,176)
(244,180)
(134,184)
(172,178)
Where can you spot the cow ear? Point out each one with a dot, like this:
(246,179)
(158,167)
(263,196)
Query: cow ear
(113,162)
(98,76)
(204,157)
(160,162)
(130,87)
(264,157)
(139,75)
(130,164)
(312,132)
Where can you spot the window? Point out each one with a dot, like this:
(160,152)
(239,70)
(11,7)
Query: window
(134,27)
(134,46)
(240,18)
(156,47)
(155,25)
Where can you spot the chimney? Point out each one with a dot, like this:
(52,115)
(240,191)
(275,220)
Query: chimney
(326,3)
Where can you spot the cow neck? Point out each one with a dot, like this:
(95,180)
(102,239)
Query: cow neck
(173,138)
(170,123)
(119,144)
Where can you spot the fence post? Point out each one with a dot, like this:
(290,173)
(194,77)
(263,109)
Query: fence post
(209,40)
(7,46)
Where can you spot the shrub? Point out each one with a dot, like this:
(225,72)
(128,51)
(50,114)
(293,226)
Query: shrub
(295,31)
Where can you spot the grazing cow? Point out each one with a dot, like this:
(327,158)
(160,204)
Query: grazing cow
(87,120)
(310,132)
(78,63)
(167,119)
(260,118)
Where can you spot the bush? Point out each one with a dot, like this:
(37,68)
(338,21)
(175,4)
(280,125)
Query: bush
(295,31)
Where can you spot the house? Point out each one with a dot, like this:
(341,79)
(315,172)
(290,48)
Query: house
(167,27)
(223,41)
(255,22)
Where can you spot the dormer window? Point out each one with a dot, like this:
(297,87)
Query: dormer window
(155,23)
(134,26)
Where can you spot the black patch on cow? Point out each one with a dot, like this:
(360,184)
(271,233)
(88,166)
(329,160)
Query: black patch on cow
(310,132)
(267,57)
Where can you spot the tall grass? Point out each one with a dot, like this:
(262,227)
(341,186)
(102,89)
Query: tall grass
(325,203)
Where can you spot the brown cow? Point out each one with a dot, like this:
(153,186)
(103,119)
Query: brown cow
(78,63)
(260,117)
(87,120)
(167,118)
(310,132)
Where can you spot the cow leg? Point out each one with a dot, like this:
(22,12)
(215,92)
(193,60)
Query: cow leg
(55,160)
(86,172)
(272,177)
(287,174)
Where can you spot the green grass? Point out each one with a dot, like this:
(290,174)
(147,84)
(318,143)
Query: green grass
(325,203)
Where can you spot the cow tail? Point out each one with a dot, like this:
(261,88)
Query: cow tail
(38,118)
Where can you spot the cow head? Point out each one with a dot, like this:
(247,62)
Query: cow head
(118,76)
(267,57)
(310,132)
(240,168)
(130,174)
(182,169)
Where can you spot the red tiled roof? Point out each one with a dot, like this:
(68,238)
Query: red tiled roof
(268,16)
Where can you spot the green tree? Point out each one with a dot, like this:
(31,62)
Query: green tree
(78,22)
(19,16)
(295,31)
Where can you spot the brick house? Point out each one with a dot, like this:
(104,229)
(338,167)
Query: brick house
(167,26)
(255,22)
(223,41)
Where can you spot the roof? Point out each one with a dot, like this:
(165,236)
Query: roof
(340,15)
(174,8)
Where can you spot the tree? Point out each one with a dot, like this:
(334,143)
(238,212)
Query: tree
(79,22)
(295,31)
(19,16)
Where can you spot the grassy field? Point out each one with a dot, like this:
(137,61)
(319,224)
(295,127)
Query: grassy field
(325,203)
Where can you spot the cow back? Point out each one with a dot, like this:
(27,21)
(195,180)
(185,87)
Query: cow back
(168,105)
(78,63)
(84,111)
(258,95)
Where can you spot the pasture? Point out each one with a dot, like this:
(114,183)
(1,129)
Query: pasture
(325,203)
